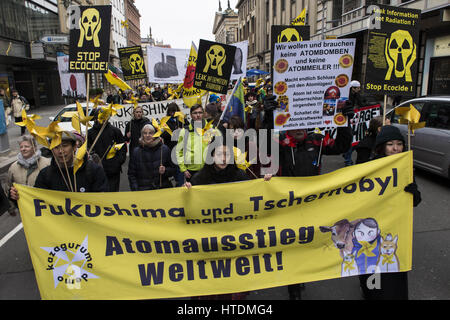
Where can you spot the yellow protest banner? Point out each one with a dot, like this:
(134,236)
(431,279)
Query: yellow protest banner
(221,238)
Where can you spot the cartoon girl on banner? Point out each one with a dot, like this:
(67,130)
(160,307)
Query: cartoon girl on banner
(362,248)
(366,245)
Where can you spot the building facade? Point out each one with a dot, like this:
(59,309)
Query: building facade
(133,17)
(26,63)
(350,19)
(225,28)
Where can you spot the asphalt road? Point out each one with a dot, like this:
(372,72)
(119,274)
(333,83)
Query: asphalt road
(429,278)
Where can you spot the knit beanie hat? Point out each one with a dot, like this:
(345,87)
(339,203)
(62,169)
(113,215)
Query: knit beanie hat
(388,133)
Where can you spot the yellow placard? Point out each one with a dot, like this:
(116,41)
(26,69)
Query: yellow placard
(219,239)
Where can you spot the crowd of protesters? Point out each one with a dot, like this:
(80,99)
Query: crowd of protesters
(151,166)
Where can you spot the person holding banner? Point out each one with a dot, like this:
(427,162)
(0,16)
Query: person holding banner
(301,156)
(27,167)
(150,166)
(393,286)
(59,176)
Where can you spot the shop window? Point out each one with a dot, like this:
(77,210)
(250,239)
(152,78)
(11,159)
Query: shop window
(439,76)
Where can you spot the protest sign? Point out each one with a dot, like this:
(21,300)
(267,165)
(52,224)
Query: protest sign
(89,39)
(72,84)
(180,243)
(167,65)
(132,62)
(311,80)
(359,123)
(392,53)
(151,110)
(289,33)
(240,60)
(214,64)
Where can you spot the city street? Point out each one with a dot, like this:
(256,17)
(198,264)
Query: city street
(429,278)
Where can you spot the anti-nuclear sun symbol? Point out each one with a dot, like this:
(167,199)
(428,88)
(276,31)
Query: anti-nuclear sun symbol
(68,264)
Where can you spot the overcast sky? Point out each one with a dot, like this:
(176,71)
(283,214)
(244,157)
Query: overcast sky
(179,22)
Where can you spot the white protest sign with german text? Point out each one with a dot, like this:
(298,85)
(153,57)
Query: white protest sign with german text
(312,83)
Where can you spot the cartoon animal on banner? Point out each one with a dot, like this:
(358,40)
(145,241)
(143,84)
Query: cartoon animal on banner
(400,53)
(342,237)
(215,59)
(388,261)
(90,26)
(362,248)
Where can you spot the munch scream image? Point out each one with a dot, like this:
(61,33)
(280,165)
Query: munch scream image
(90,39)
(393,52)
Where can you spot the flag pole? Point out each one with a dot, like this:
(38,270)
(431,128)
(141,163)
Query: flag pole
(88,81)
(384,110)
(409,136)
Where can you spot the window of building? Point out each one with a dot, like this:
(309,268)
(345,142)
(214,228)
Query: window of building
(439,76)
(350,5)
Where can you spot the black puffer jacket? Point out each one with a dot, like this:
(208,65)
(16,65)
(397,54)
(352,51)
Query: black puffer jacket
(302,160)
(89,178)
(143,169)
(109,136)
(211,175)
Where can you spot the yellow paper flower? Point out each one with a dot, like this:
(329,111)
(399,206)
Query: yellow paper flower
(162,127)
(112,152)
(79,157)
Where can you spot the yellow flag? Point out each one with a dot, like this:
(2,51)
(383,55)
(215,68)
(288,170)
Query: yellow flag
(79,157)
(116,81)
(191,95)
(410,116)
(300,20)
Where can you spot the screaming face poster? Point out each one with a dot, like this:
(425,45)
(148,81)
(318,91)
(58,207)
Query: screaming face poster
(393,48)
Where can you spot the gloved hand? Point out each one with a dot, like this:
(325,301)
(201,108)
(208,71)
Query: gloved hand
(270,103)
(412,188)
(348,110)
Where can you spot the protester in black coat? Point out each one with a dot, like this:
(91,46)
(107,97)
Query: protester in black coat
(365,149)
(90,177)
(301,154)
(110,136)
(150,166)
(393,286)
(137,123)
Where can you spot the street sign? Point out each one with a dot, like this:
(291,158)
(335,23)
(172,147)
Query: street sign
(56,39)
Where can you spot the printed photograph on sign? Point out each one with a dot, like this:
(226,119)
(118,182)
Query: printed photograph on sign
(392,53)
(90,40)
(167,65)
